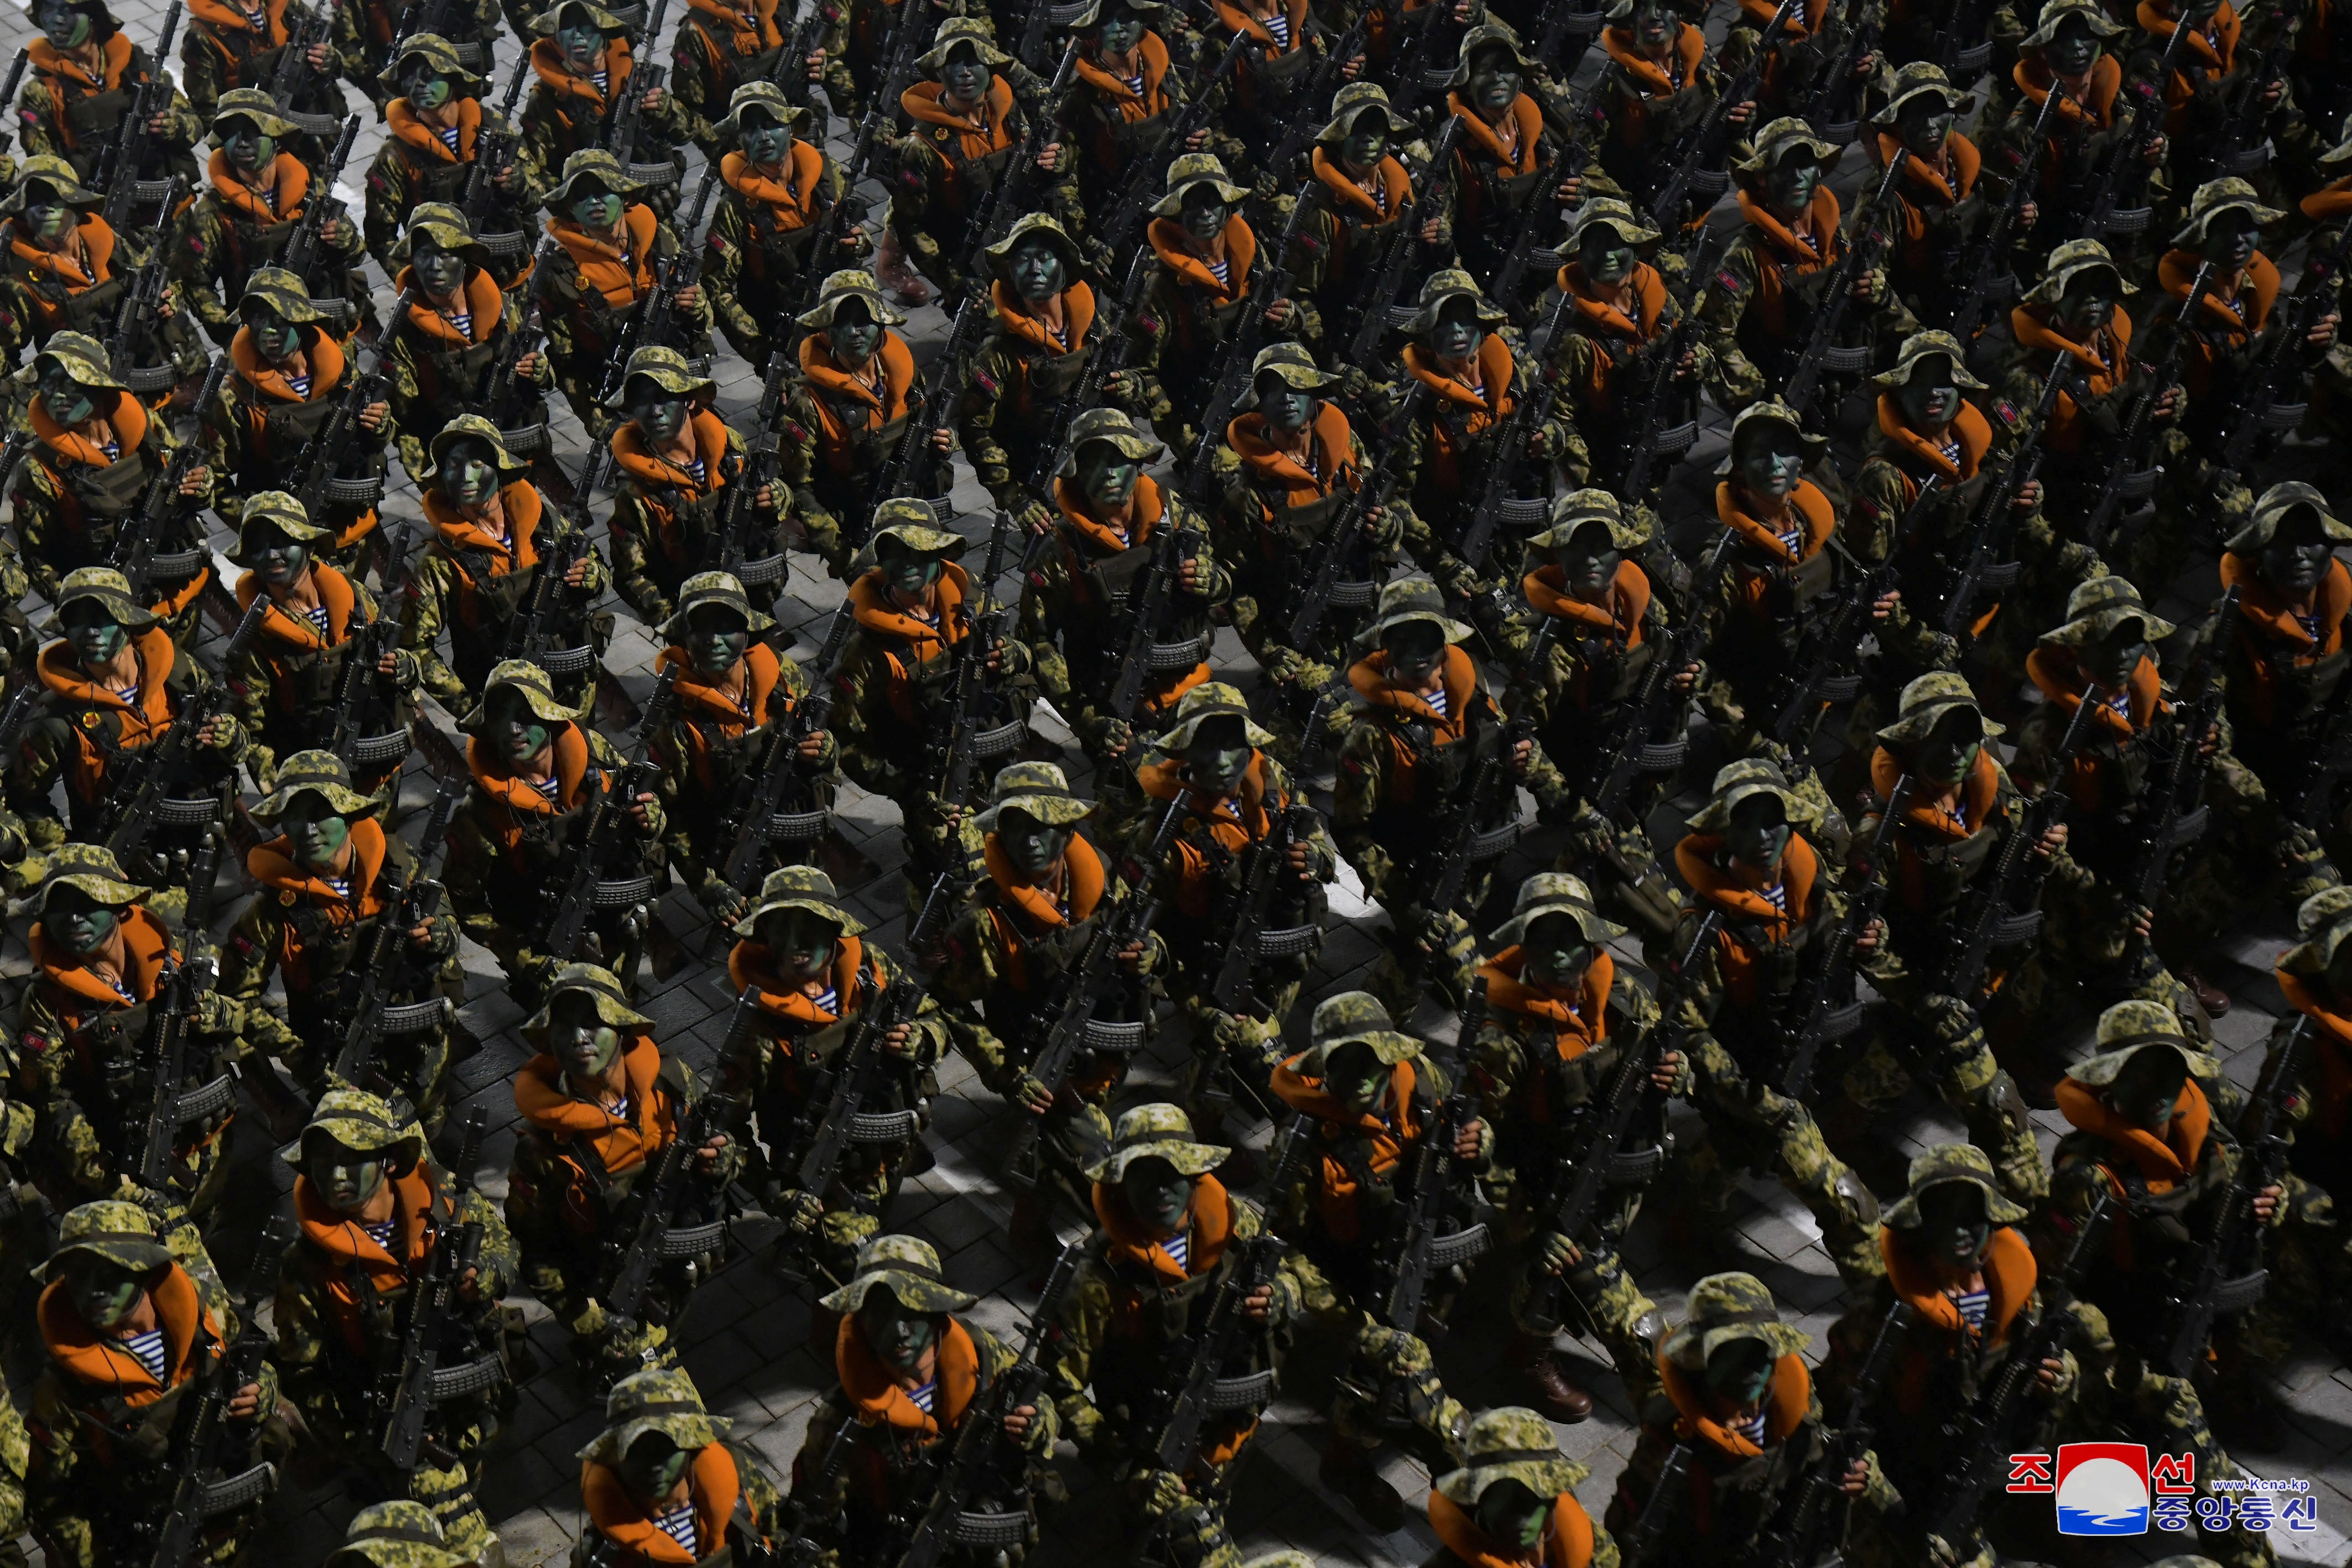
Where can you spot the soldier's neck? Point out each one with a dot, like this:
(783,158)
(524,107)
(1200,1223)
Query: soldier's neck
(540,764)
(378,1206)
(604,1088)
(2297,599)
(1763,508)
(121,673)
(142,1319)
(295,363)
(439,118)
(108,961)
(1120,65)
(927,600)
(1662,51)
(302,593)
(338,864)
(1294,441)
(925,1370)
(681,448)
(488,514)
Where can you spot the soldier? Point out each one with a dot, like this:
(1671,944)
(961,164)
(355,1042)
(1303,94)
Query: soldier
(1111,534)
(817,983)
(1206,276)
(493,534)
(737,697)
(1658,87)
(679,467)
(115,685)
(2146,1133)
(435,150)
(375,1212)
(581,57)
(2310,1267)
(370,38)
(1369,1097)
(1013,951)
(227,46)
(1558,1027)
(968,128)
(260,194)
(1241,805)
(1505,147)
(2066,54)
(539,772)
(846,419)
(1421,729)
(80,499)
(325,885)
(1126,93)
(782,190)
(1748,859)
(1740,1400)
(101,955)
(2287,653)
(1359,190)
(134,1321)
(1171,1242)
(446,355)
(601,276)
(601,1103)
(86,74)
(292,685)
(662,1483)
(65,267)
(1513,1500)
(1944,202)
(292,376)
(2215,101)
(718,50)
(1286,47)
(1806,56)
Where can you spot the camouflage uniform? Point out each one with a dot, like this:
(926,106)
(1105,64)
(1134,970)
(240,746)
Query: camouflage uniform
(718,51)
(1514,1444)
(567,114)
(434,371)
(1346,230)
(1112,128)
(221,50)
(63,111)
(737,1507)
(397,1534)
(415,167)
(839,434)
(595,286)
(2310,1260)
(82,285)
(760,254)
(366,32)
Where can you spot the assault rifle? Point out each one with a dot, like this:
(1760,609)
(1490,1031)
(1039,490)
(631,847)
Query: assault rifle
(186,981)
(16,78)
(1821,678)
(498,400)
(1109,358)
(1226,1331)
(1990,533)
(143,307)
(1703,147)
(2234,146)
(790,73)
(2328,752)
(1668,1496)
(1982,264)
(976,1458)
(1553,28)
(659,1237)
(301,252)
(1566,164)
(657,312)
(2130,474)
(1508,451)
(2179,790)
(1311,114)
(1981,1437)
(1811,1524)
(1823,1005)
(1348,528)
(738,519)
(527,633)
(2259,410)
(23,706)
(1389,277)
(374,1015)
(1821,349)
(134,146)
(433,1304)
(1009,197)
(628,115)
(292,78)
(1468,842)
(495,149)
(2224,1273)
(366,701)
(138,552)
(1421,1249)
(430,16)
(1252,940)
(2007,911)
(1644,745)
(316,483)
(830,1123)
(1144,174)
(845,212)
(152,769)
(938,409)
(960,743)
(207,1444)
(1144,656)
(1844,45)
(1088,984)
(750,822)
(1650,444)
(2125,154)
(1240,351)
(609,832)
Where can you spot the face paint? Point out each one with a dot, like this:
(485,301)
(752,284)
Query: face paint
(1106,477)
(1555,951)
(273,335)
(1589,563)
(1925,124)
(1157,1194)
(906,573)
(2088,304)
(1354,1077)
(512,728)
(1219,754)
(440,272)
(581,42)
(1758,834)
(1771,462)
(104,1293)
(280,561)
(75,920)
(583,1043)
(1949,753)
(1458,332)
(1790,186)
(249,149)
(2072,49)
(1740,1371)
(1366,143)
(1415,649)
(1606,256)
(964,76)
(853,335)
(1119,32)
(2146,1092)
(1205,214)
(1035,848)
(653,1467)
(317,831)
(2111,660)
(2229,241)
(424,88)
(896,1335)
(1037,271)
(469,474)
(595,209)
(1652,24)
(345,1177)
(1494,81)
(801,943)
(66,28)
(716,637)
(1507,1511)
(1930,398)
(94,632)
(69,401)
(2294,562)
(1954,1225)
(47,218)
(763,140)
(1287,408)
(660,414)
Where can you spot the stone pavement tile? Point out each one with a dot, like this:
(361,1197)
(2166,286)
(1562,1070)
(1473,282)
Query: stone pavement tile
(541,1475)
(536,1536)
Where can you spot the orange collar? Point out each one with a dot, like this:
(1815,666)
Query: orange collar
(1958,152)
(1082,871)
(787,198)
(2331,200)
(713,1484)
(759,34)
(2176,270)
(325,356)
(1476,134)
(651,469)
(748,964)
(1566,1540)
(623,1145)
(114,59)
(1819,225)
(2163,1162)
(290,182)
(1784,1406)
(1802,22)
(1151,55)
(2035,79)
(455,533)
(1367,678)
(415,134)
(1143,515)
(1237,20)
(2260,604)
(1495,369)
(1598,316)
(2010,1272)
(146,944)
(346,1241)
(2317,1001)
(619,275)
(2222,25)
(1695,858)
(1014,318)
(925,103)
(1579,1018)
(870,602)
(61,673)
(1978,791)
(335,596)
(1618,613)
(2059,679)
(96,1364)
(763,671)
(1166,237)
(573,768)
(273,866)
(879,1401)
(1651,77)
(219,17)
(2107,360)
(97,244)
(1811,507)
(485,304)
(1334,449)
(1974,437)
(898,364)
(1208,1226)
(548,64)
(128,419)
(1395,184)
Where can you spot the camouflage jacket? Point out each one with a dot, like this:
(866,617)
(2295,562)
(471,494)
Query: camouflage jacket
(433,373)
(566,113)
(709,753)
(758,256)
(665,519)
(230,234)
(413,166)
(469,588)
(65,113)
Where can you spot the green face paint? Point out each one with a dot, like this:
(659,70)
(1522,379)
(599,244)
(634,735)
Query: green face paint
(103,1293)
(94,633)
(517,734)
(1106,477)
(249,149)
(893,1332)
(716,638)
(1157,1194)
(652,1469)
(1035,847)
(1555,951)
(69,401)
(582,1041)
(344,1177)
(317,832)
(1037,271)
(1507,1511)
(77,921)
(800,942)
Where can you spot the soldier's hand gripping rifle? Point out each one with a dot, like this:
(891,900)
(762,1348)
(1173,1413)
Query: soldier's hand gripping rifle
(1252,940)
(659,1236)
(1996,520)
(1982,263)
(139,551)
(962,744)
(435,1302)
(2131,473)
(204,1442)
(1345,538)
(8,89)
(978,1455)
(1981,1437)
(1703,147)
(1828,109)
(752,819)
(291,81)
(1224,1334)
(2177,790)
(499,402)
(621,130)
(656,325)
(141,315)
(1651,740)
(1133,200)
(318,482)
(740,519)
(1315,102)
(2127,165)
(1811,1526)
(1109,358)
(153,770)
(374,1015)
(610,831)
(936,412)
(1507,452)
(366,701)
(185,982)
(1396,260)
(1822,1006)
(533,627)
(1828,653)
(1145,656)
(2259,410)
(1652,441)
(1423,1245)
(1234,363)
(301,252)
(1823,351)
(1011,196)
(134,145)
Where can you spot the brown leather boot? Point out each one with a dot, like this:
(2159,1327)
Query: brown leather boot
(2210,997)
(1531,1357)
(1347,1470)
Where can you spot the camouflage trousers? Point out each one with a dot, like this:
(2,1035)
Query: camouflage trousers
(1938,1040)
(1233,1055)
(2086,941)
(1594,1295)
(1753,1126)
(1391,1389)
(1181,1517)
(565,1281)
(2310,1262)
(2194,513)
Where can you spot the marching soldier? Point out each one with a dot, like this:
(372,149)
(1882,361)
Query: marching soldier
(227,46)
(1361,190)
(2287,653)
(448,353)
(1127,92)
(1513,1500)
(582,63)
(602,278)
(2067,53)
(86,75)
(372,37)
(846,419)
(1657,88)
(437,125)
(720,51)
(662,1482)
(1944,201)
(396,1534)
(66,270)
(1504,150)
(258,194)
(783,187)
(2313,1266)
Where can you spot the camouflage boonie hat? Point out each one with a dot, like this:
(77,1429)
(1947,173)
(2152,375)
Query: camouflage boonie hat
(2275,506)
(1554,893)
(81,355)
(48,169)
(2099,605)
(1411,599)
(1925,703)
(1510,1443)
(1572,511)
(1739,782)
(595,982)
(2068,262)
(441,55)
(544,24)
(2057,12)
(1770,411)
(1488,36)
(1774,143)
(1031,224)
(666,369)
(916,526)
(116,1230)
(964,30)
(2227,194)
(1921,346)
(1354,1017)
(1728,1307)
(1355,100)
(538,689)
(1446,284)
(109,587)
(1946,1162)
(769,100)
(1156,1131)
(447,226)
(1090,15)
(799,887)
(89,870)
(1607,211)
(362,1122)
(597,167)
(909,1268)
(2323,921)
(1916,80)
(1293,364)
(1038,789)
(396,1534)
(1210,699)
(839,288)
(254,104)
(273,509)
(660,1399)
(283,294)
(2127,1028)
(1112,426)
(714,587)
(1192,168)
(471,427)
(317,773)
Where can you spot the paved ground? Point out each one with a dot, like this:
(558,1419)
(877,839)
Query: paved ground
(745,1338)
